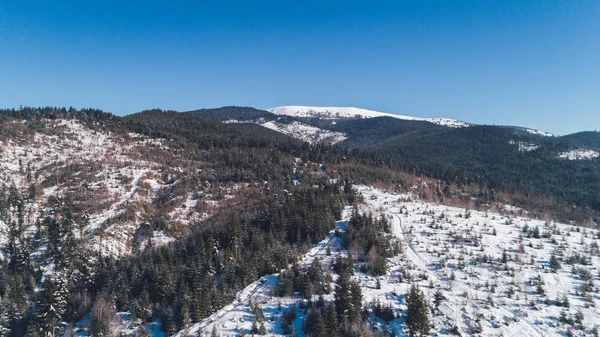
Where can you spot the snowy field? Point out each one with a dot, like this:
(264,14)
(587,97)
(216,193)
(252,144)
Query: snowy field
(461,253)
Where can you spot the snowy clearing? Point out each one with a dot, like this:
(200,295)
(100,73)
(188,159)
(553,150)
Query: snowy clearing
(579,154)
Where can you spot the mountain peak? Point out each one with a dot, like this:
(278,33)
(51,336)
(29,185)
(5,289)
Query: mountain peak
(352,112)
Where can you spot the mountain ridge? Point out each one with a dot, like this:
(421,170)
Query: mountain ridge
(353,112)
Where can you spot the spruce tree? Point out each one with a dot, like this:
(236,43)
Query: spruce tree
(97,327)
(417,318)
(438,297)
(331,321)
(540,285)
(342,295)
(356,295)
(51,307)
(554,263)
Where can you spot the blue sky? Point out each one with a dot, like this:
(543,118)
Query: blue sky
(529,63)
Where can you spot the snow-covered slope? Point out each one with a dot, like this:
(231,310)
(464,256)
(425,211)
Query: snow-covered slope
(538,132)
(110,175)
(350,112)
(532,131)
(306,132)
(487,266)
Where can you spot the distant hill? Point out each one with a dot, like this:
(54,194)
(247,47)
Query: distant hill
(506,158)
(234,113)
(590,139)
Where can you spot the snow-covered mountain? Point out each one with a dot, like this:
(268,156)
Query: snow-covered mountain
(351,112)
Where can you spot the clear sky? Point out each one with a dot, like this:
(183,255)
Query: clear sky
(529,63)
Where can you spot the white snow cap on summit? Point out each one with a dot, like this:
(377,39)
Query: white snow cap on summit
(350,112)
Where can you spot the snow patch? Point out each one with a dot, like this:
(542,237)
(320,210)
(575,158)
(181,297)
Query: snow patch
(306,132)
(579,154)
(539,133)
(524,146)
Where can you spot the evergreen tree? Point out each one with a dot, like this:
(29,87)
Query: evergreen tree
(315,324)
(417,318)
(356,295)
(97,327)
(554,263)
(331,321)
(540,285)
(51,307)
(438,297)
(343,295)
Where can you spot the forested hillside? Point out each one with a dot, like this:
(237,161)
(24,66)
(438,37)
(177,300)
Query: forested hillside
(515,160)
(233,113)
(589,139)
(501,158)
(160,214)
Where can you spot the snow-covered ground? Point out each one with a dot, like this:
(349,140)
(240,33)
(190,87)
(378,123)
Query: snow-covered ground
(307,133)
(109,175)
(579,154)
(538,132)
(524,146)
(350,112)
(460,253)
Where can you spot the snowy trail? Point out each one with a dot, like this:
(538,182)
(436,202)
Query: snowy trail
(527,323)
(399,231)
